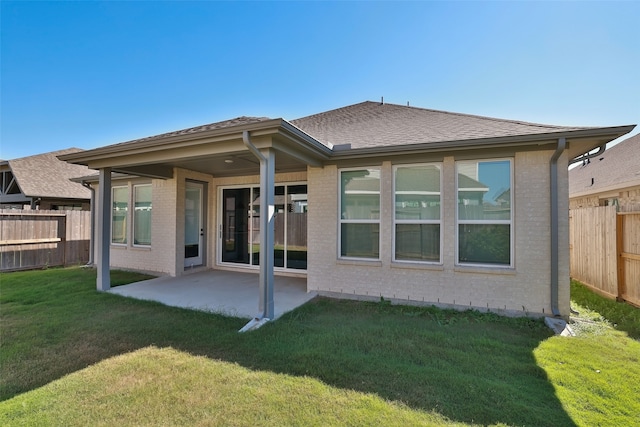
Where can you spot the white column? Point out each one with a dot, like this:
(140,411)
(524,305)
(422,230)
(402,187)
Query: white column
(103,234)
(267,212)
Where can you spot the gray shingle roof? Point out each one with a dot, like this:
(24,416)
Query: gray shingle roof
(372,124)
(44,175)
(238,121)
(618,166)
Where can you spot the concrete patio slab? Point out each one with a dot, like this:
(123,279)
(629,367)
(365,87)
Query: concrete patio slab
(224,292)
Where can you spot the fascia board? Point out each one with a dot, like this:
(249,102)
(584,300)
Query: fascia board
(609,133)
(177,141)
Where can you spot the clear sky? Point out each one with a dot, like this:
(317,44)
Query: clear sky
(88,74)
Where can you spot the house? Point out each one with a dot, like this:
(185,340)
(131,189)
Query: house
(609,178)
(43,182)
(367,201)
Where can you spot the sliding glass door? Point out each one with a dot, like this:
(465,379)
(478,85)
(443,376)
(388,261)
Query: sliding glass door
(240,228)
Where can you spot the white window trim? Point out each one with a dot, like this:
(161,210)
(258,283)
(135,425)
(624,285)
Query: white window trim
(440,166)
(510,222)
(128,237)
(359,221)
(133,222)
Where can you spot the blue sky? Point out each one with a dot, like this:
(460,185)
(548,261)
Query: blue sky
(88,74)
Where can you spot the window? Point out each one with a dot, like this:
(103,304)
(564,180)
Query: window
(417,213)
(142,215)
(119,210)
(360,213)
(484,212)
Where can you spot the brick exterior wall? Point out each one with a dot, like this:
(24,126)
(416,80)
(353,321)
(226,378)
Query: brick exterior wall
(628,200)
(525,289)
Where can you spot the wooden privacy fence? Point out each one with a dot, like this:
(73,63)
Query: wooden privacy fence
(35,239)
(605,251)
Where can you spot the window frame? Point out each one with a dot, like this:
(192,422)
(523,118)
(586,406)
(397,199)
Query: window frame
(133,216)
(342,221)
(126,216)
(510,221)
(397,221)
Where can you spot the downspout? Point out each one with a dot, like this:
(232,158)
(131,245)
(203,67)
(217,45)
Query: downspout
(553,163)
(93,220)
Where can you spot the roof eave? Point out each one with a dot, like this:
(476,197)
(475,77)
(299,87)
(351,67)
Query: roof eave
(265,127)
(608,133)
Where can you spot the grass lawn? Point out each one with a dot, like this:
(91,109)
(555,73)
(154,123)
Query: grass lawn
(72,356)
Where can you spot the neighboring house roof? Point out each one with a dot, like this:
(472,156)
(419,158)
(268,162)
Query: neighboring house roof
(43,175)
(373,124)
(618,167)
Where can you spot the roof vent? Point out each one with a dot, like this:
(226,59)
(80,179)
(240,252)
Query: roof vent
(382,100)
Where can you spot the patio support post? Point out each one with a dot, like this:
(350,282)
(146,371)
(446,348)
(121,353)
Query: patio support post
(267,159)
(267,229)
(103,236)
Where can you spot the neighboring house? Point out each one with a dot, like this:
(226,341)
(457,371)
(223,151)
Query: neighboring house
(43,182)
(608,179)
(382,200)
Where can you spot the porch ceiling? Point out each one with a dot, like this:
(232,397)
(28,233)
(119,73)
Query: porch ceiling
(218,165)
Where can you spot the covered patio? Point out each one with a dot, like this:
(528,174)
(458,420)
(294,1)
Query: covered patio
(228,293)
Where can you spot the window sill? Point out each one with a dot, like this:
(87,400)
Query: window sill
(417,266)
(506,271)
(359,262)
(141,248)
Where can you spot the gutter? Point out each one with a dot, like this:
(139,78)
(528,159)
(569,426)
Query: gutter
(553,164)
(93,220)
(586,156)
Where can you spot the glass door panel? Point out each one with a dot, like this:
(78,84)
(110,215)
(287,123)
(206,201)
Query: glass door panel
(297,208)
(235,230)
(279,227)
(193,229)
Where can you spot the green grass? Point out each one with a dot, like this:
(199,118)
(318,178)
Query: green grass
(72,356)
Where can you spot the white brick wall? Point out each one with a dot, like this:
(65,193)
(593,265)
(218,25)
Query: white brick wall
(524,289)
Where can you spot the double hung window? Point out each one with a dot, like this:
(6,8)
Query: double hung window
(142,215)
(417,213)
(485,217)
(119,213)
(360,213)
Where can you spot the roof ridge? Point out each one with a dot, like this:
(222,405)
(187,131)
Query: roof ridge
(495,119)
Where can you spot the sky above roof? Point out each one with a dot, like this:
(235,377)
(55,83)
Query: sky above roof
(89,74)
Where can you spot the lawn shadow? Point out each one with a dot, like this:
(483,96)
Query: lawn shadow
(469,367)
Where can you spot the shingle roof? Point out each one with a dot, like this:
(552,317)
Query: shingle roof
(373,124)
(618,166)
(44,175)
(238,121)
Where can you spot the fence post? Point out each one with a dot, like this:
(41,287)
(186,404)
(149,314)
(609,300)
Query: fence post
(619,257)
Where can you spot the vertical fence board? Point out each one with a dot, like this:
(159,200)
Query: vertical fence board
(631,259)
(605,251)
(39,238)
(593,248)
